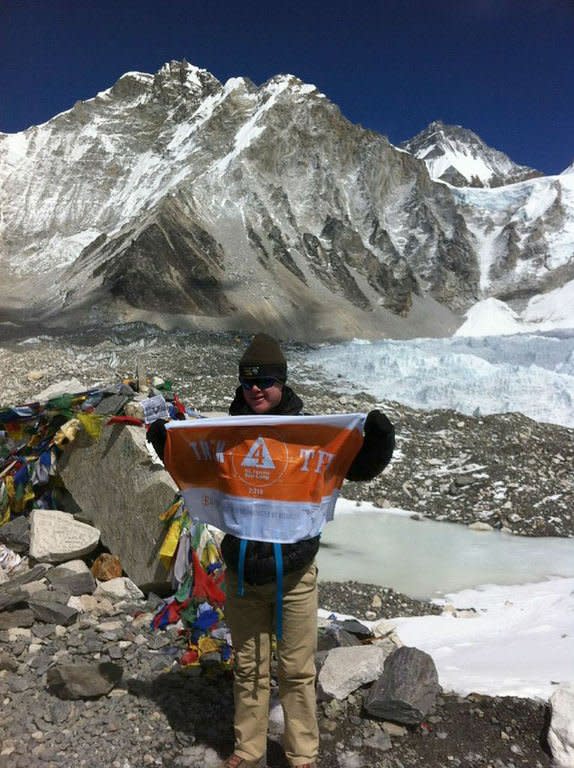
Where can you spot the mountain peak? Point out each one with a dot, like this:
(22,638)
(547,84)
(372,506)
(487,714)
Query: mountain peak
(460,157)
(180,75)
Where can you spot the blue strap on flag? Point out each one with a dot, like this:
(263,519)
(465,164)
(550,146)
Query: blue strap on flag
(241,566)
(279,602)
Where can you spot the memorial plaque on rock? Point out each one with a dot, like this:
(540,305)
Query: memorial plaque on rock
(56,536)
(155,408)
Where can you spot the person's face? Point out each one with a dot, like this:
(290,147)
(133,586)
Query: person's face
(262,395)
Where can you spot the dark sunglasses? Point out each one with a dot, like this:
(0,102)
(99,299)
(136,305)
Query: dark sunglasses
(266,383)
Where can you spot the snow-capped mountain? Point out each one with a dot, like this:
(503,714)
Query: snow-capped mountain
(460,157)
(176,198)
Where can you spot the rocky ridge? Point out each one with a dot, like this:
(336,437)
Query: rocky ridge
(221,206)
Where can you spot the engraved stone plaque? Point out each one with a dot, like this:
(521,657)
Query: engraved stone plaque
(56,537)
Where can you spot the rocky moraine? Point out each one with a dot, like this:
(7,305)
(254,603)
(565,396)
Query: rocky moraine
(139,706)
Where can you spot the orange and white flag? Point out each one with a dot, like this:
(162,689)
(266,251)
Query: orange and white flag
(268,478)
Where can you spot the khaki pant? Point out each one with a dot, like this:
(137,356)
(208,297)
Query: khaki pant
(251,619)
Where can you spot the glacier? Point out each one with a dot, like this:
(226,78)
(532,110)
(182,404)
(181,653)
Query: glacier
(529,373)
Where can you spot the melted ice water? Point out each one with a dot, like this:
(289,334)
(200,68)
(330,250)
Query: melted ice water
(426,559)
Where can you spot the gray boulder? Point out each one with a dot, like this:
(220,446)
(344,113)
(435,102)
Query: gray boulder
(347,668)
(407,690)
(20,617)
(51,611)
(75,577)
(10,598)
(83,681)
(123,492)
(27,577)
(15,534)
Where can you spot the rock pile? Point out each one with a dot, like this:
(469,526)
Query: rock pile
(91,684)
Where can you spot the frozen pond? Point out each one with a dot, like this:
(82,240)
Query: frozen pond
(426,559)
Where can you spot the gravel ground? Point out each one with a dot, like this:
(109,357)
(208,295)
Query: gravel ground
(505,470)
(358,600)
(161,714)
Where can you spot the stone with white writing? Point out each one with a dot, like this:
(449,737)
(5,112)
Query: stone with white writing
(56,536)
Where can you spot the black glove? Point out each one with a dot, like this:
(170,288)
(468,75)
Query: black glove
(377,425)
(377,449)
(156,435)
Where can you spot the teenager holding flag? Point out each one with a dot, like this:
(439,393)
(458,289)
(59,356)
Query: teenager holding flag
(272,587)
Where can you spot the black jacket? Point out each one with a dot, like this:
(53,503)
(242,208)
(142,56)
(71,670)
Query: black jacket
(372,458)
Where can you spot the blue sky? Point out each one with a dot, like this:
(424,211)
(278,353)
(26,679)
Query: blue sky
(503,68)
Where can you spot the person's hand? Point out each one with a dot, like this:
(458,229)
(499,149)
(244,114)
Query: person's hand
(377,449)
(377,425)
(157,435)
(156,431)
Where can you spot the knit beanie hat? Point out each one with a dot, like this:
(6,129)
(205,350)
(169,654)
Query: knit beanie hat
(263,359)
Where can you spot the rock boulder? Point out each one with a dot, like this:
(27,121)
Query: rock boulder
(56,536)
(407,690)
(561,732)
(83,681)
(122,491)
(349,667)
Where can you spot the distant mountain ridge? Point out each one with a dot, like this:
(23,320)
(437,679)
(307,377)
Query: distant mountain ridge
(178,199)
(460,157)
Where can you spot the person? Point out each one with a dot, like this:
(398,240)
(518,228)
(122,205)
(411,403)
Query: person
(250,616)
